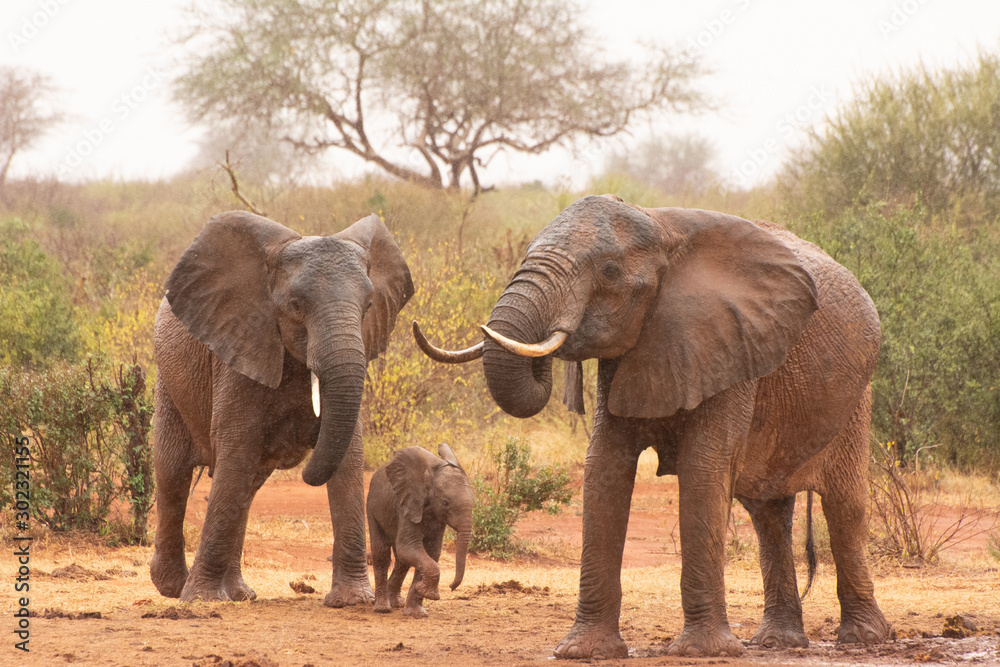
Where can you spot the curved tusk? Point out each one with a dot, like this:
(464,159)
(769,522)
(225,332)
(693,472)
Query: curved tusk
(446,356)
(528,349)
(315,393)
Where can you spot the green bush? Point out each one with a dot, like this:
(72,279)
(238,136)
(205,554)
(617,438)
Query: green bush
(511,485)
(938,299)
(37,324)
(87,428)
(927,135)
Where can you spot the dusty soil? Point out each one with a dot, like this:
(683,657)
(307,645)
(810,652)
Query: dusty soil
(95,605)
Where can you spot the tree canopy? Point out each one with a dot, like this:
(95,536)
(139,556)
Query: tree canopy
(931,137)
(25,116)
(428,90)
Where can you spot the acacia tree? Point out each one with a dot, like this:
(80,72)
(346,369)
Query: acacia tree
(428,90)
(25,113)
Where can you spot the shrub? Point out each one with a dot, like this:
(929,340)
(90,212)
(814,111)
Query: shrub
(932,135)
(511,485)
(88,429)
(37,324)
(939,303)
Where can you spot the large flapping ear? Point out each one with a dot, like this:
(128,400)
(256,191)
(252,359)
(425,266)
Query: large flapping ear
(731,304)
(219,291)
(407,473)
(390,278)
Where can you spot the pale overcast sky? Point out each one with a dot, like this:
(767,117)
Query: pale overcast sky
(779,66)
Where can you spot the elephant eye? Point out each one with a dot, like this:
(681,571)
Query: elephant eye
(611,271)
(295,306)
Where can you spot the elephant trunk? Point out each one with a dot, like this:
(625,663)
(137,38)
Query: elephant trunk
(341,373)
(520,385)
(463,535)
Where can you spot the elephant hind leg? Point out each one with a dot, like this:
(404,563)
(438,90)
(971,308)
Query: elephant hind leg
(781,626)
(845,505)
(395,584)
(174,467)
(381,557)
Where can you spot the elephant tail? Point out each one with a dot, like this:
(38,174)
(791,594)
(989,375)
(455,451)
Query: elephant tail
(810,545)
(197,479)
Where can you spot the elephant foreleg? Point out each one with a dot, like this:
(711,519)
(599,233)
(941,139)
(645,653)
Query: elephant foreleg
(845,505)
(345,491)
(399,572)
(609,478)
(781,626)
(235,586)
(173,454)
(221,535)
(710,441)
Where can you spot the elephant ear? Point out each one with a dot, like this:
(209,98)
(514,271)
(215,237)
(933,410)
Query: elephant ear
(407,473)
(219,291)
(732,302)
(390,277)
(444,451)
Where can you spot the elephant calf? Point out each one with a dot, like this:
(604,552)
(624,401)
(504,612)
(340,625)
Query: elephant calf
(410,501)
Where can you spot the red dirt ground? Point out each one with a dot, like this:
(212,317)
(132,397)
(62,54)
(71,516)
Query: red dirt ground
(504,613)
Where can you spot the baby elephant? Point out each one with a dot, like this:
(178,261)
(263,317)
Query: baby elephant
(410,501)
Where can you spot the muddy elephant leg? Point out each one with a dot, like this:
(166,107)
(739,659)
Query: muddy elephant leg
(345,491)
(608,481)
(236,588)
(221,536)
(781,626)
(173,459)
(845,505)
(399,572)
(709,445)
(381,558)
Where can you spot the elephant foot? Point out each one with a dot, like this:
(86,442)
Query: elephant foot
(168,574)
(396,601)
(871,630)
(349,593)
(238,590)
(194,590)
(382,606)
(703,643)
(773,634)
(415,612)
(592,641)
(428,589)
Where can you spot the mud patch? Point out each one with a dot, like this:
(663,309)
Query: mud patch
(76,573)
(213,660)
(510,586)
(179,613)
(72,616)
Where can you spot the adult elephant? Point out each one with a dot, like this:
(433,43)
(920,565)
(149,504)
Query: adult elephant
(743,355)
(261,345)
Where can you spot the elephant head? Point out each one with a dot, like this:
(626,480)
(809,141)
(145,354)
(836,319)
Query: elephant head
(434,489)
(690,302)
(251,289)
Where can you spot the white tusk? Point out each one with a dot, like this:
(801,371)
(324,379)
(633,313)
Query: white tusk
(315,392)
(548,346)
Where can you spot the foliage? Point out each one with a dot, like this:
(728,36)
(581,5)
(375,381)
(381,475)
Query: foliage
(458,80)
(927,135)
(510,485)
(25,113)
(938,300)
(909,526)
(37,323)
(671,163)
(88,431)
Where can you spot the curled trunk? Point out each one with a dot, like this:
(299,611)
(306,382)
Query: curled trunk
(520,385)
(341,386)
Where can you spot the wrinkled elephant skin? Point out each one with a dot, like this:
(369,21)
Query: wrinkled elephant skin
(743,355)
(253,312)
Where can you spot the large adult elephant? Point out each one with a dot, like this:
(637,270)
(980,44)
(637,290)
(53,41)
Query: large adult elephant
(743,355)
(261,345)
